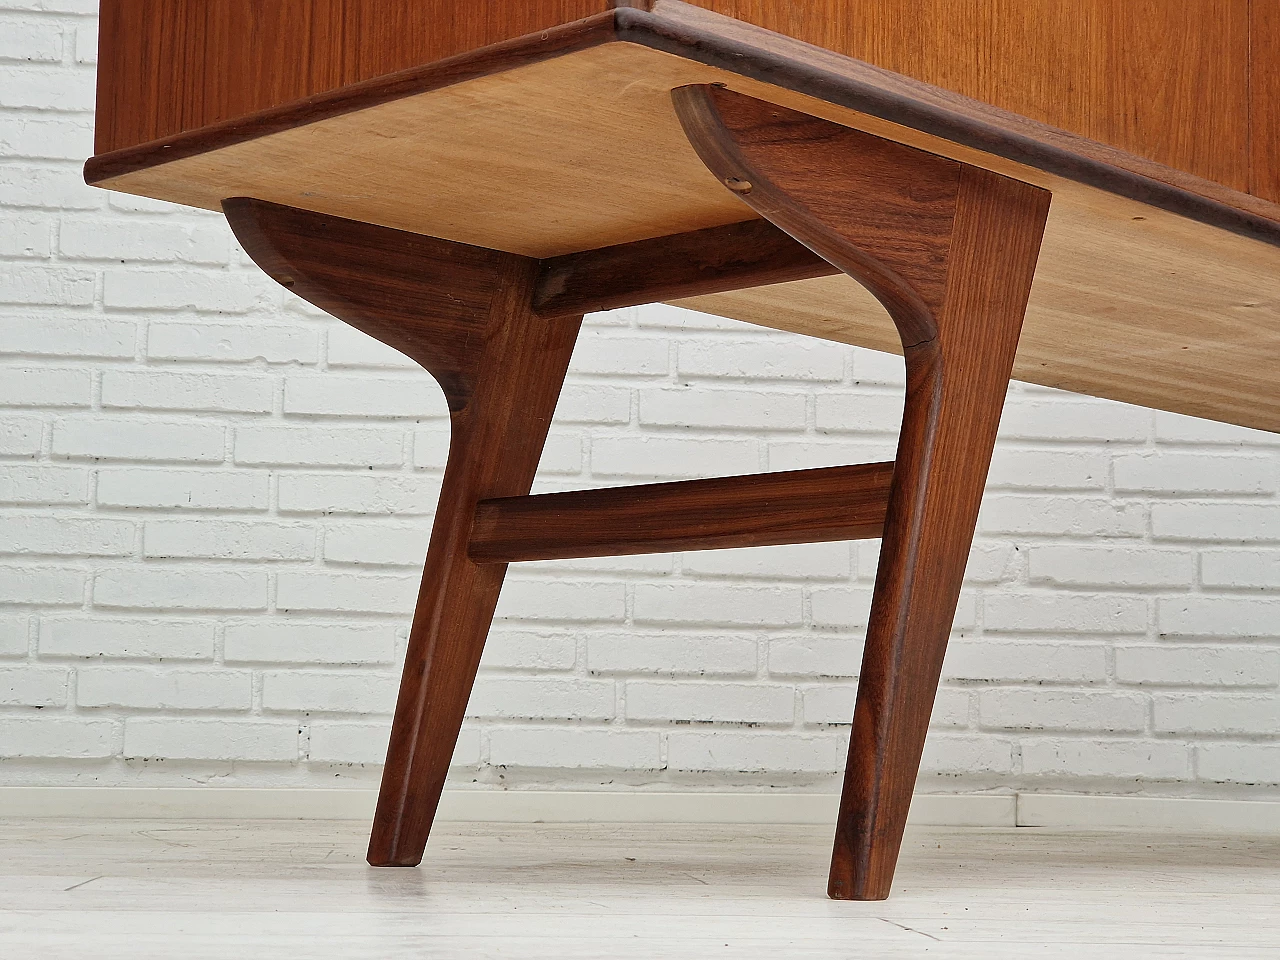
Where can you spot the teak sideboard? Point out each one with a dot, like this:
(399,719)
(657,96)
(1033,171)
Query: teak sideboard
(1075,193)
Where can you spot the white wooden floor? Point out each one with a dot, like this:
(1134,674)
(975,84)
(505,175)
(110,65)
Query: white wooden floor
(291,889)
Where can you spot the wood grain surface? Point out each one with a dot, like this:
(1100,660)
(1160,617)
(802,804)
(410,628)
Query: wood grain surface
(464,315)
(1167,81)
(767,509)
(1131,302)
(950,250)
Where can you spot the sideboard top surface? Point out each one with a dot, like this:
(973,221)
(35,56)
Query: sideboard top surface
(1154,287)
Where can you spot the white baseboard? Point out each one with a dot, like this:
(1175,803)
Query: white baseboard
(1068,811)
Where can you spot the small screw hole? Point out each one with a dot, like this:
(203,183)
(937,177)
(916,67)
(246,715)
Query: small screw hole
(737,186)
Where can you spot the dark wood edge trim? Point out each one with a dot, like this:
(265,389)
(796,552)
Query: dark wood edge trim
(496,58)
(718,41)
(765,509)
(688,31)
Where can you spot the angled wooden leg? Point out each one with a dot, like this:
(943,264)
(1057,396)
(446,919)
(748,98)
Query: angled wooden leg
(463,313)
(950,250)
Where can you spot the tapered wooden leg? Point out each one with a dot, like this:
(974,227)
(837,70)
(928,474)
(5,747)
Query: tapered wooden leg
(464,313)
(951,251)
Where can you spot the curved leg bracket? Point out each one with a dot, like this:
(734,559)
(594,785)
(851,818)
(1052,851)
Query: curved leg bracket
(465,314)
(950,250)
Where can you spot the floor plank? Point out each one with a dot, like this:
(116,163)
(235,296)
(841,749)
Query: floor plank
(300,889)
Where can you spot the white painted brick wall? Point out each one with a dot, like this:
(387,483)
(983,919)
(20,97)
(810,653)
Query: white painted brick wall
(214,503)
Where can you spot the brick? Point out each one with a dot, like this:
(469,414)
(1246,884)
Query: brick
(65,536)
(226,540)
(710,702)
(1028,661)
(1238,762)
(593,403)
(335,396)
(47,87)
(52,187)
(1217,713)
(187,391)
(1065,418)
(1046,469)
(670,653)
(1128,759)
(515,649)
(811,454)
(597,352)
(121,438)
(288,641)
(840,607)
(193,739)
(345,593)
(828,704)
(316,691)
(115,238)
(1061,516)
(673,457)
(756,752)
(723,409)
(48,137)
(13,636)
(183,489)
(1200,616)
(951,754)
(59,737)
(49,336)
(349,347)
(43,485)
(125,639)
(580,601)
(232,343)
(32,686)
(1064,613)
(431,448)
(665,315)
(815,656)
(87,43)
(1106,566)
(1240,568)
(319,446)
(860,413)
(717,604)
(1222,522)
(151,689)
(332,742)
(24,237)
(988,562)
(808,360)
(45,388)
(1178,428)
(130,288)
(804,561)
(45,586)
(582,748)
(878,369)
(1208,666)
(181,589)
(330,493)
(1195,473)
(366,743)
(541,698)
(20,436)
(1008,708)
(23,38)
(396,545)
